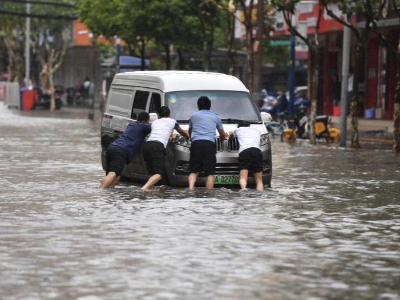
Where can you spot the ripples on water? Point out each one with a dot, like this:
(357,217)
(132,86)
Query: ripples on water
(328,229)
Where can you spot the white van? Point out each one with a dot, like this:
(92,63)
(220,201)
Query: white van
(134,92)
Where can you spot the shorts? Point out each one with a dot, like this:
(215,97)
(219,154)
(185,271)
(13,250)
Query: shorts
(251,159)
(117,158)
(203,157)
(154,155)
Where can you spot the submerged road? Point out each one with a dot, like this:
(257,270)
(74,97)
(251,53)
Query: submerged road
(327,229)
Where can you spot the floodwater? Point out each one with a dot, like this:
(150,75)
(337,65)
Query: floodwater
(329,228)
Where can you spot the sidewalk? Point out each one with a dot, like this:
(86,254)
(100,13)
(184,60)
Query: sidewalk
(369,129)
(65,112)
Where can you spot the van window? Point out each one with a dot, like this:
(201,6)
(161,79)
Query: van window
(139,103)
(226,104)
(155,103)
(120,102)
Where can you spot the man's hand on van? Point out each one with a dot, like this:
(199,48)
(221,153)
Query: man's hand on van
(173,136)
(231,135)
(183,133)
(223,135)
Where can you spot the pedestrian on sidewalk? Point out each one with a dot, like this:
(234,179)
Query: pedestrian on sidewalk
(122,151)
(154,150)
(250,156)
(202,126)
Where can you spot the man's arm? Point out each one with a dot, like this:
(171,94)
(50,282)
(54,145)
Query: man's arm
(221,130)
(222,134)
(183,132)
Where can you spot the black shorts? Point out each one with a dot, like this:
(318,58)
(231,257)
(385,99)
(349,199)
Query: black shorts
(117,158)
(251,159)
(154,155)
(203,157)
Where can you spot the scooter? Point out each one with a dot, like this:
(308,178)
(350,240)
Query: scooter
(303,128)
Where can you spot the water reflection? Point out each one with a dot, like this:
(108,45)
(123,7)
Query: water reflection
(328,229)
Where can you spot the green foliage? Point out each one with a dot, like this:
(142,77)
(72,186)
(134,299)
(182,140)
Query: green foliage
(289,6)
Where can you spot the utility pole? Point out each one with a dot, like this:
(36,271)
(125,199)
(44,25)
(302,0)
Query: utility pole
(27,45)
(257,82)
(292,79)
(345,78)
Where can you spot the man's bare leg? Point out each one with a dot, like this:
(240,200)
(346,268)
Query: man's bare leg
(151,182)
(210,182)
(243,178)
(108,180)
(192,180)
(115,181)
(259,182)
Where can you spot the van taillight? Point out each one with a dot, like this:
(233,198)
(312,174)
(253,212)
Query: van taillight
(108,116)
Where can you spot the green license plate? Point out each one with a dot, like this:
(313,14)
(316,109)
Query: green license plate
(226,179)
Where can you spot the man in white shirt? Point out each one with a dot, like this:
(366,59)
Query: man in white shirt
(250,156)
(154,150)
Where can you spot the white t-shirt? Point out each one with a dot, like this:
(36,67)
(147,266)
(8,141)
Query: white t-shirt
(161,130)
(248,137)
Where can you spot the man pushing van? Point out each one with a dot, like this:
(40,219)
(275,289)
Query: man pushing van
(202,126)
(250,156)
(154,150)
(122,151)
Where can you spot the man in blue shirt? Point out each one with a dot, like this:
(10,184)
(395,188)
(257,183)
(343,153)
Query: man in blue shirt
(121,152)
(202,126)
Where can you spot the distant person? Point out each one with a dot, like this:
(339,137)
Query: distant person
(336,90)
(202,126)
(122,151)
(250,156)
(350,90)
(154,150)
(88,89)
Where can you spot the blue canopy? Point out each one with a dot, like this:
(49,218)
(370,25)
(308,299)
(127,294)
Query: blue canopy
(125,61)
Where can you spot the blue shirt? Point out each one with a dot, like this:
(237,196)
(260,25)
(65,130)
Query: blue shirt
(203,125)
(132,137)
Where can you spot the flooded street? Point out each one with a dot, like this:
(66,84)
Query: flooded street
(329,228)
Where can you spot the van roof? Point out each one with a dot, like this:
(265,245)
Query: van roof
(172,81)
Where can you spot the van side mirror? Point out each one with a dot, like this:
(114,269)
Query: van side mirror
(153,117)
(266,117)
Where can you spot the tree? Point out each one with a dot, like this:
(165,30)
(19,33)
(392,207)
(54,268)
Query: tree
(375,15)
(51,46)
(48,34)
(138,22)
(247,9)
(351,8)
(288,9)
(13,37)
(208,17)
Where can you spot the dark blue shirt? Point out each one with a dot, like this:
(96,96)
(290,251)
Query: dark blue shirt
(132,137)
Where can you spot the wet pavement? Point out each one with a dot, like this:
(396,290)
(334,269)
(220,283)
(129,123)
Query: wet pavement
(327,229)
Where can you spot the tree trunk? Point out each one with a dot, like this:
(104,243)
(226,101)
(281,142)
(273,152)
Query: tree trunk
(231,39)
(206,60)
(181,59)
(314,96)
(355,143)
(396,117)
(167,56)
(52,96)
(142,55)
(250,58)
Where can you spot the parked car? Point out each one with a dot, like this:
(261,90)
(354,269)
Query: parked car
(134,92)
